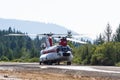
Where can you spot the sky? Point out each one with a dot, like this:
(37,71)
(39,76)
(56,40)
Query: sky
(82,16)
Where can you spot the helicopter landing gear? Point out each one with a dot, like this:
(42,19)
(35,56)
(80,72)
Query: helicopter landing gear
(57,63)
(68,63)
(40,63)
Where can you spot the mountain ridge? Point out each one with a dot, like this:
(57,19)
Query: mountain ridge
(32,26)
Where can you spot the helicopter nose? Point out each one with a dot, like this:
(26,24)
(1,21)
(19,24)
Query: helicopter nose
(66,54)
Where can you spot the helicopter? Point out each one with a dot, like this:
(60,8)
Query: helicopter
(54,54)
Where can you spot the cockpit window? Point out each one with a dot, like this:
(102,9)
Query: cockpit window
(64,49)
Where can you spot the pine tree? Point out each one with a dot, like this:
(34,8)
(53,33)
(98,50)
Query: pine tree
(100,40)
(108,33)
(117,35)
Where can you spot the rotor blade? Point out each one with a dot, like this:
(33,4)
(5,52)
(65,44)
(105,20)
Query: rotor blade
(21,35)
(78,41)
(15,35)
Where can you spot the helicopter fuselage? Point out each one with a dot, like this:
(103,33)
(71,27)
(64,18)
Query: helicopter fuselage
(56,54)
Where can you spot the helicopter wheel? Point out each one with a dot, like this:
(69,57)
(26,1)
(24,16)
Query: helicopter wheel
(57,63)
(68,63)
(40,63)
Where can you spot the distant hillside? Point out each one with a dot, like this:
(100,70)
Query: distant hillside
(31,26)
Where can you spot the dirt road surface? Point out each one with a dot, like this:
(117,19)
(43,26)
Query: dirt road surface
(34,71)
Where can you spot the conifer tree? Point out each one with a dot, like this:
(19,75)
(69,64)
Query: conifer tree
(108,33)
(117,35)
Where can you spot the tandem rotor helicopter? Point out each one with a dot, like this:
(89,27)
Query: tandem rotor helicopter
(55,53)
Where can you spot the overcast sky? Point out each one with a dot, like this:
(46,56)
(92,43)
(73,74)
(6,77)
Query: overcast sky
(82,16)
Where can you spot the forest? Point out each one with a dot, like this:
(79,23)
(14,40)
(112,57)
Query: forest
(18,48)
(104,51)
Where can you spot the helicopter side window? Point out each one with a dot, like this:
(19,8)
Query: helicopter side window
(43,46)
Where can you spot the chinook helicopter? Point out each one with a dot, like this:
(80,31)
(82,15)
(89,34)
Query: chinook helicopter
(55,53)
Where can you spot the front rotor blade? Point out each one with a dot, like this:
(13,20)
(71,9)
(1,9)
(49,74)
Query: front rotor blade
(16,35)
(21,35)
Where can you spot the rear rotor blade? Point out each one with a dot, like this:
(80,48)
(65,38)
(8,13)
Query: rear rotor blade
(77,41)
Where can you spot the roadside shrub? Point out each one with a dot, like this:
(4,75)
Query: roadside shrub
(118,64)
(76,60)
(3,58)
(17,60)
(97,59)
(33,60)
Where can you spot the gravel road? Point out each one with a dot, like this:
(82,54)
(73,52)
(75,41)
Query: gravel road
(34,71)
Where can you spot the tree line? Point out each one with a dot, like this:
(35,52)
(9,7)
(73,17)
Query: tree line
(104,51)
(14,48)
